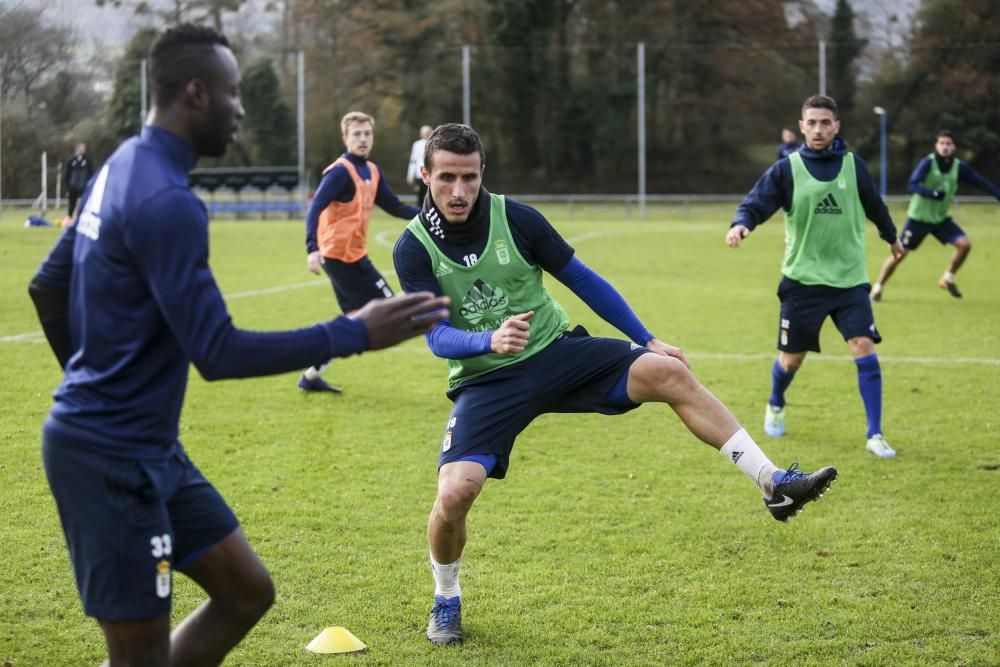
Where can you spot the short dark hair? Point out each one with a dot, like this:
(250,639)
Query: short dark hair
(454,138)
(178,56)
(945,133)
(820,102)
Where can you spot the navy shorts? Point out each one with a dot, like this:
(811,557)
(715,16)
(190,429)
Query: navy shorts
(914,232)
(805,307)
(130,522)
(574,373)
(355,284)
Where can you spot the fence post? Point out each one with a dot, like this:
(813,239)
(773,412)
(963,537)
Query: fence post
(45,183)
(641,93)
(303,188)
(466,86)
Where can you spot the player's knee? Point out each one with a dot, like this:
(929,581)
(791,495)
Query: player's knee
(862,346)
(963,243)
(256,595)
(668,375)
(455,500)
(791,366)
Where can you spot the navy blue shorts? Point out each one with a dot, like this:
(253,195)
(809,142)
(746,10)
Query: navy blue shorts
(575,373)
(914,232)
(805,307)
(130,522)
(355,284)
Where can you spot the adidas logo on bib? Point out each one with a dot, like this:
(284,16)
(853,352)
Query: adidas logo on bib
(828,206)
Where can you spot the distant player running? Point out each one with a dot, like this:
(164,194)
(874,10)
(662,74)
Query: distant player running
(826,193)
(934,183)
(513,356)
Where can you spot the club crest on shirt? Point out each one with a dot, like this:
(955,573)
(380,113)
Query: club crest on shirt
(503,255)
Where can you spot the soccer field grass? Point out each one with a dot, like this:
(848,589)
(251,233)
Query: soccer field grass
(613,540)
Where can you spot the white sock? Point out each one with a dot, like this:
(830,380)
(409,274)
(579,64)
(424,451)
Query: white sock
(949,277)
(748,457)
(446,578)
(312,373)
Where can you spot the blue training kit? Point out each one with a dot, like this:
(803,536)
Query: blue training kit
(583,373)
(143,304)
(128,302)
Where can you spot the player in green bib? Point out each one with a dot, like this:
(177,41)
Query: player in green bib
(512,354)
(934,183)
(826,193)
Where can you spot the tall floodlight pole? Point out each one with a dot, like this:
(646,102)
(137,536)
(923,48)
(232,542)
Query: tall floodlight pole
(466,86)
(45,183)
(883,168)
(302,124)
(641,82)
(822,67)
(143,94)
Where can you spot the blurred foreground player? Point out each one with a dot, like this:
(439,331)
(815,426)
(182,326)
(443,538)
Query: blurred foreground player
(128,301)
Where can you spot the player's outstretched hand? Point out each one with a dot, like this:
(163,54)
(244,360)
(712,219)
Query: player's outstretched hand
(897,250)
(393,320)
(512,336)
(735,235)
(660,347)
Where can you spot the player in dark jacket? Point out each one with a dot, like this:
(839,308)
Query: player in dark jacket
(128,302)
(76,175)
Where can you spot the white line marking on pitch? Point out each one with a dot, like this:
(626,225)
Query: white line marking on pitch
(986,361)
(37,337)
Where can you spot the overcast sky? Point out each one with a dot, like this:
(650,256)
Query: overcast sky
(107,28)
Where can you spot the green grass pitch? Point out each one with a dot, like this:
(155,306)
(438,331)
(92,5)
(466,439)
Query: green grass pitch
(614,540)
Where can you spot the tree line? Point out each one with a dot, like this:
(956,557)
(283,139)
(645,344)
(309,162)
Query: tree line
(553,85)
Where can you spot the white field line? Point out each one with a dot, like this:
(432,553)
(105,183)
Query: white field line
(37,337)
(381,238)
(770,356)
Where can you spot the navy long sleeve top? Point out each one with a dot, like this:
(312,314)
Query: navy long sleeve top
(337,185)
(774,189)
(539,243)
(143,304)
(966,174)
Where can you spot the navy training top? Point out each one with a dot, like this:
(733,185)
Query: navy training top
(535,237)
(966,174)
(143,304)
(539,244)
(775,187)
(337,185)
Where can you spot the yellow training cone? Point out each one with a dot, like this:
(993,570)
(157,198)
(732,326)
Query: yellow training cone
(335,640)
